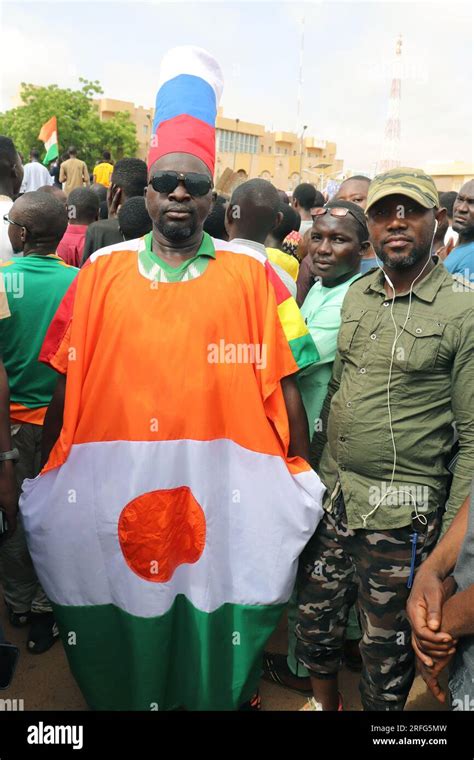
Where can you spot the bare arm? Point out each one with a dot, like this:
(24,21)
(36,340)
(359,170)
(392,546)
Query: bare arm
(458,610)
(53,420)
(5,436)
(429,595)
(458,614)
(443,558)
(298,421)
(8,486)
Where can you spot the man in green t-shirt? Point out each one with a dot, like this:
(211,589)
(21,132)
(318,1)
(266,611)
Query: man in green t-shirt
(34,285)
(338,241)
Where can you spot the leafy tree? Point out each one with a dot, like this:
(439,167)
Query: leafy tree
(78,122)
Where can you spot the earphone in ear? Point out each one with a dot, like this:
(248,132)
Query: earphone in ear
(436,227)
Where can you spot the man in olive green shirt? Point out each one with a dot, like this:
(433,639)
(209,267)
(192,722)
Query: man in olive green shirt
(403,374)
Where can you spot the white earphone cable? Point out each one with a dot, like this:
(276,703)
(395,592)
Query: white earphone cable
(389,491)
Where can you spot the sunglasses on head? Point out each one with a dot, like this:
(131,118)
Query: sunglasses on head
(335,211)
(167,181)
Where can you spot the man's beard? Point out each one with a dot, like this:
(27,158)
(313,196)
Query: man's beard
(406,262)
(175,231)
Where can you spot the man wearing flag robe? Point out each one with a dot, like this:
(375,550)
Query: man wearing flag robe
(176,498)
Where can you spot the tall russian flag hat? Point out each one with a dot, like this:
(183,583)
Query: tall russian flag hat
(189,91)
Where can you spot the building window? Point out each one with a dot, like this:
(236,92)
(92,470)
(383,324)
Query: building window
(294,152)
(236,142)
(269,148)
(145,129)
(262,148)
(286,151)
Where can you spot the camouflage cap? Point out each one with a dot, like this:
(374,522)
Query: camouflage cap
(413,183)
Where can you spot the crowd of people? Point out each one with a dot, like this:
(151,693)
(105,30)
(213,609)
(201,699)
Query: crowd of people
(240,406)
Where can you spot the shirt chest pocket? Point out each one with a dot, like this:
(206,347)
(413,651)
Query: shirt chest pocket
(350,323)
(419,344)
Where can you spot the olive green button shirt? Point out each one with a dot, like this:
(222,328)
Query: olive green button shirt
(432,386)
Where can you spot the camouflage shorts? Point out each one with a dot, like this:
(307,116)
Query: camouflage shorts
(339,565)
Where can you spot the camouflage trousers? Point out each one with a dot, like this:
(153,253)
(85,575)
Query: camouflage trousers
(339,565)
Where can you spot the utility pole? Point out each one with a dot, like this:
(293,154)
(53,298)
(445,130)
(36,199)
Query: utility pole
(300,80)
(301,152)
(235,141)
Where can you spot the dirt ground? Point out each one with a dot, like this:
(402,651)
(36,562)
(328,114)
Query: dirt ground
(44,681)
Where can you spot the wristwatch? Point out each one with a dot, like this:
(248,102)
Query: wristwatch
(13,454)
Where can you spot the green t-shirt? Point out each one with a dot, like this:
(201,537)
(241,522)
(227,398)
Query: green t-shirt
(34,285)
(321,311)
(158,269)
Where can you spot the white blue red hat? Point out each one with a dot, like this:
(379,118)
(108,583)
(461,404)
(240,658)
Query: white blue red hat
(189,91)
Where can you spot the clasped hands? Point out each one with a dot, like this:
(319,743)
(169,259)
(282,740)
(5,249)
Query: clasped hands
(434,648)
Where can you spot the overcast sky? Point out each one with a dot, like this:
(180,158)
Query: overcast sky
(348,50)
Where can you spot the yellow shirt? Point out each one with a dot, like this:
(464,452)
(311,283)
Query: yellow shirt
(287,262)
(102,173)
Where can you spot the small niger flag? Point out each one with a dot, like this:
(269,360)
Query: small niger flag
(49,135)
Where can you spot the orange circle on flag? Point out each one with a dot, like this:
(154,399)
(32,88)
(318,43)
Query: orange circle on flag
(160,530)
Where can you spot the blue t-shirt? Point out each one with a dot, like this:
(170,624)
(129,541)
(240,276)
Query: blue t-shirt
(461,261)
(367,264)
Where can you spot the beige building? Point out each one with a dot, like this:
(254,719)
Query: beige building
(141,117)
(450,176)
(284,158)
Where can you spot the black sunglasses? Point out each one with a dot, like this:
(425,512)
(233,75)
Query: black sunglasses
(196,184)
